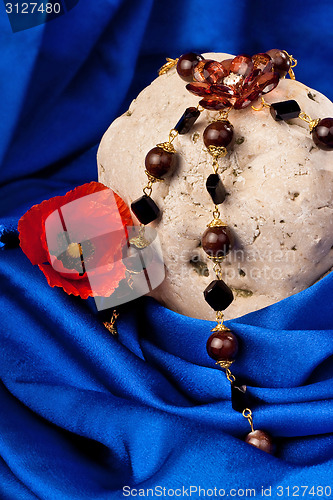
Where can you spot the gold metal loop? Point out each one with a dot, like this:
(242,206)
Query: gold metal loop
(140,241)
(224,113)
(306,118)
(293,63)
(263,105)
(167,66)
(168,146)
(148,188)
(247,413)
(216,212)
(218,271)
(111,325)
(229,375)
(172,135)
(215,166)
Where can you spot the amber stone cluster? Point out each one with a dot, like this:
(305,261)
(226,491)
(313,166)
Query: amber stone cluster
(232,83)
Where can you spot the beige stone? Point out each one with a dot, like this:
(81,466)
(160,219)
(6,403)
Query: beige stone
(279,204)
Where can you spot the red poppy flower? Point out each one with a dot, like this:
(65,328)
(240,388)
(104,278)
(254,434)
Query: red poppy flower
(233,83)
(77,239)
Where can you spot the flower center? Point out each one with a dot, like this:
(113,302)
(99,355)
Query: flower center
(74,250)
(232,79)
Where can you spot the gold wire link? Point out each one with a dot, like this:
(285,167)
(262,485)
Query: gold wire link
(293,63)
(111,325)
(215,166)
(167,66)
(216,212)
(220,317)
(306,118)
(247,413)
(229,375)
(172,135)
(217,269)
(263,105)
(224,113)
(140,241)
(168,146)
(148,188)
(220,327)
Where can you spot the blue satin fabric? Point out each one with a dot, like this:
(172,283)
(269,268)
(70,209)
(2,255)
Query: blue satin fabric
(82,413)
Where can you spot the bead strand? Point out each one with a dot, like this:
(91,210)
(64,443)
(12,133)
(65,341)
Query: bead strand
(321,129)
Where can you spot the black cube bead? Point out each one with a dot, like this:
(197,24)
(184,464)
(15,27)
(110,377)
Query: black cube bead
(285,110)
(187,121)
(145,209)
(215,188)
(218,295)
(240,397)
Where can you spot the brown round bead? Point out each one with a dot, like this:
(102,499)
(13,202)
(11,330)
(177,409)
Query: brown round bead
(261,440)
(216,241)
(322,134)
(159,162)
(222,346)
(280,60)
(185,65)
(219,133)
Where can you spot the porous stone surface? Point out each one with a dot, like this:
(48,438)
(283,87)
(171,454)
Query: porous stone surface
(279,204)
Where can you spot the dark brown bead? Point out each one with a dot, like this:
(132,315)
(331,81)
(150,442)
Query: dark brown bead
(261,440)
(280,60)
(216,241)
(159,162)
(219,133)
(185,65)
(215,188)
(322,134)
(218,295)
(187,120)
(240,397)
(222,346)
(285,110)
(145,209)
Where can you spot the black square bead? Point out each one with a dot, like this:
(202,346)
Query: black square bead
(145,209)
(215,188)
(285,110)
(187,121)
(240,397)
(218,295)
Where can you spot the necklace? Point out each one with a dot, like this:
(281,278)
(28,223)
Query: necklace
(232,84)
